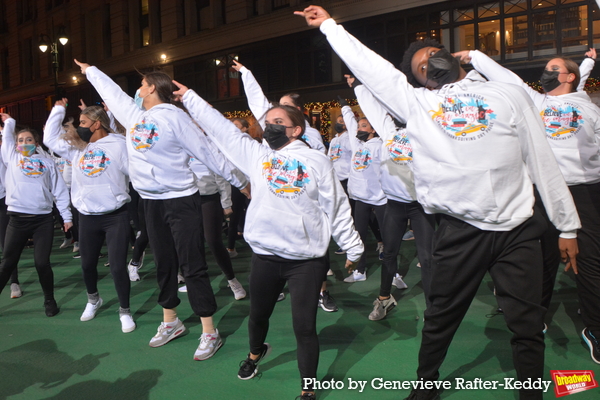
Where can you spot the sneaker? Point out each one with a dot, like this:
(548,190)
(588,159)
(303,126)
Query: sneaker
(180,278)
(107,264)
(281,296)
(423,394)
(382,307)
(592,342)
(398,282)
(579,311)
(306,396)
(409,235)
(237,289)
(327,302)
(545,329)
(182,289)
(66,243)
(330,272)
(77,255)
(380,250)
(232,253)
(90,310)
(356,277)
(51,308)
(249,367)
(15,291)
(133,273)
(340,251)
(167,332)
(209,344)
(75,247)
(141,262)
(418,265)
(127,324)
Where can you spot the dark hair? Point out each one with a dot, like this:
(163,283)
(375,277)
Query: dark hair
(36,135)
(406,65)
(163,84)
(294,114)
(242,122)
(374,131)
(573,68)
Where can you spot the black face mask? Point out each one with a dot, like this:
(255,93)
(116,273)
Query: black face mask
(339,128)
(442,68)
(549,80)
(84,133)
(275,135)
(362,135)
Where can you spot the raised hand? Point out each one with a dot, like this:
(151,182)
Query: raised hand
(82,106)
(181,89)
(237,65)
(314,15)
(81,65)
(463,56)
(63,102)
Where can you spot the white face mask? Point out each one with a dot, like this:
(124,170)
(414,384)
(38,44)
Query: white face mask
(139,101)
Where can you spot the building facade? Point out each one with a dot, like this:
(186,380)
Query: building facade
(195,41)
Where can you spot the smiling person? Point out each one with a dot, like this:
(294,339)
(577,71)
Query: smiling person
(32,183)
(478,149)
(572,123)
(297,206)
(99,191)
(161,138)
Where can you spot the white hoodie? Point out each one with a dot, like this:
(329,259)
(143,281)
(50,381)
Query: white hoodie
(32,183)
(160,142)
(297,202)
(397,180)
(478,145)
(572,123)
(100,182)
(340,155)
(259,105)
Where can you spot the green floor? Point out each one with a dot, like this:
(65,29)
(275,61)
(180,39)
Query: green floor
(63,358)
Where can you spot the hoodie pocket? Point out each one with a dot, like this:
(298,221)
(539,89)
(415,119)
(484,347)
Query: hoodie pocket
(32,196)
(99,199)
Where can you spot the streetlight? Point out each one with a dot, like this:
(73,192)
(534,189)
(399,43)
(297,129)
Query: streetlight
(46,42)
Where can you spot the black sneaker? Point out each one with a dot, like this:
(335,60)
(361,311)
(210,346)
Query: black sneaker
(51,308)
(423,394)
(327,302)
(249,367)
(592,342)
(306,396)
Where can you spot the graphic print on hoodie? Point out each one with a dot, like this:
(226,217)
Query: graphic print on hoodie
(362,159)
(399,148)
(562,122)
(286,177)
(144,135)
(94,162)
(464,117)
(32,167)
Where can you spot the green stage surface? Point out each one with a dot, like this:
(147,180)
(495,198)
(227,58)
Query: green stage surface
(64,358)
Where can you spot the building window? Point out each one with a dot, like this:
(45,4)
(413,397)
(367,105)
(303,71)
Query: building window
(26,61)
(574,29)
(145,22)
(25,11)
(5,68)
(202,14)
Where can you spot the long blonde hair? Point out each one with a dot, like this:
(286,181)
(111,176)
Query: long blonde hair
(94,113)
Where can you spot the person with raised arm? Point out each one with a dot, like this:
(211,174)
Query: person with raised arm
(297,206)
(478,148)
(32,185)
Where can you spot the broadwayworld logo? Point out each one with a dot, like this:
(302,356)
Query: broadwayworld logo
(569,382)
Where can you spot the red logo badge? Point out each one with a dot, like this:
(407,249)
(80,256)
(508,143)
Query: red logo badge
(569,382)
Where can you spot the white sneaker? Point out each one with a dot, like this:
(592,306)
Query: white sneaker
(209,344)
(232,253)
(133,273)
(330,272)
(65,244)
(180,278)
(356,277)
(381,308)
(166,332)
(90,310)
(237,289)
(398,282)
(75,247)
(281,296)
(15,291)
(183,289)
(127,324)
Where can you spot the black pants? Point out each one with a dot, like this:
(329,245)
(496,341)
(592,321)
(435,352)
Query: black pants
(20,229)
(394,225)
(462,254)
(212,218)
(362,216)
(238,217)
(93,230)
(175,233)
(587,201)
(304,278)
(14,277)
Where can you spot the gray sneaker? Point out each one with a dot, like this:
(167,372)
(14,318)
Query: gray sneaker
(209,344)
(381,308)
(15,291)
(237,289)
(167,332)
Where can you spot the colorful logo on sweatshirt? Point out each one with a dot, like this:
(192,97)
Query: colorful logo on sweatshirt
(562,122)
(362,159)
(286,177)
(32,167)
(335,152)
(464,118)
(144,136)
(399,148)
(94,162)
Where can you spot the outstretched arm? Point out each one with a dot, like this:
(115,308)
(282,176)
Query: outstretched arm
(54,129)
(586,67)
(257,101)
(8,138)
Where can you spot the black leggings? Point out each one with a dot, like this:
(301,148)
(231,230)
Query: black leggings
(362,216)
(212,218)
(237,218)
(93,230)
(14,277)
(20,229)
(268,276)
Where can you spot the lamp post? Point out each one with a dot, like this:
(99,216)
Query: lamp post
(46,42)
